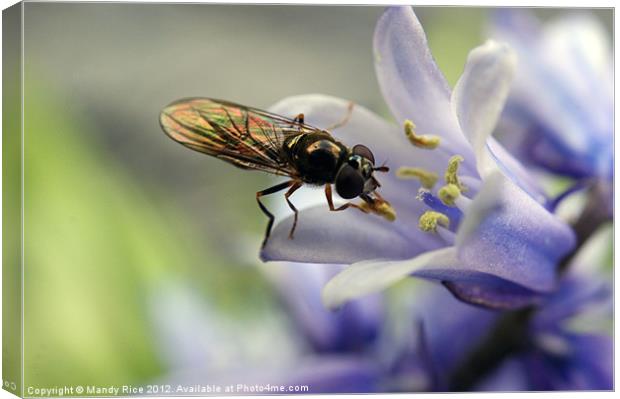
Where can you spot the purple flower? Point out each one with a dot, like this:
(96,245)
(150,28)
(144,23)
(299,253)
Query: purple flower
(347,339)
(487,234)
(559,115)
(350,330)
(550,349)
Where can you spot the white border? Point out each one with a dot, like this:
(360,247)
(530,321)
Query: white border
(480,3)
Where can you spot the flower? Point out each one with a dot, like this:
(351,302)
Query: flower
(336,348)
(350,330)
(544,348)
(496,245)
(352,336)
(559,115)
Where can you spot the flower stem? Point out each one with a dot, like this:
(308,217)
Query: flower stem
(593,216)
(507,337)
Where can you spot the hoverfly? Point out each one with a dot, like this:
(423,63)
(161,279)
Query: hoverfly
(250,138)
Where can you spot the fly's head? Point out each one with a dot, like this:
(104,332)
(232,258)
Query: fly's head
(355,177)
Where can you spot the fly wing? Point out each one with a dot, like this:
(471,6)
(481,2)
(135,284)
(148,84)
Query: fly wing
(246,137)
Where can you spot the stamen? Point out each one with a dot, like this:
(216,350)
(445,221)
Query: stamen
(451,173)
(427,179)
(430,219)
(449,193)
(425,141)
(462,203)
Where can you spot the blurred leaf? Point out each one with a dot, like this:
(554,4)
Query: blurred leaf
(452,33)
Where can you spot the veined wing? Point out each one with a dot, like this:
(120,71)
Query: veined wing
(246,137)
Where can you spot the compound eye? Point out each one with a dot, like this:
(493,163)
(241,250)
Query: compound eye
(349,182)
(363,151)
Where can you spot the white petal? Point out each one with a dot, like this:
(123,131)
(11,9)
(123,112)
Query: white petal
(480,94)
(364,278)
(344,237)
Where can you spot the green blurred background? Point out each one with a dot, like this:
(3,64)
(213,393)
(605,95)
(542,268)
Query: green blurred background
(135,245)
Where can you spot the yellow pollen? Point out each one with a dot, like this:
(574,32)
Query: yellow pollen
(430,219)
(425,141)
(380,207)
(449,193)
(451,173)
(428,179)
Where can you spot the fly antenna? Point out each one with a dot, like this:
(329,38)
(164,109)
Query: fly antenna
(382,168)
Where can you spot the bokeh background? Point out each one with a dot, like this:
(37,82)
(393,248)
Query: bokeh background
(142,256)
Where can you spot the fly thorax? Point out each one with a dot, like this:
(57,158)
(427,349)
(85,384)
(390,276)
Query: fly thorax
(318,158)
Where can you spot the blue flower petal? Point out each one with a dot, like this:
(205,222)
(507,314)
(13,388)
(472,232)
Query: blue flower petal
(485,290)
(480,94)
(492,292)
(575,294)
(346,330)
(591,365)
(516,172)
(452,328)
(478,100)
(509,235)
(561,105)
(508,249)
(410,81)
(345,237)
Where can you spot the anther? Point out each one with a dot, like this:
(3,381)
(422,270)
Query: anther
(448,194)
(451,172)
(430,219)
(426,178)
(425,141)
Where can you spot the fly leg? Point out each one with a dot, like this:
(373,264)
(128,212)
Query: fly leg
(299,119)
(330,202)
(271,190)
(290,192)
(346,118)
